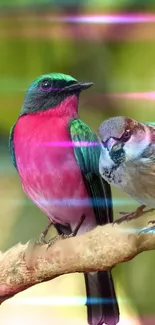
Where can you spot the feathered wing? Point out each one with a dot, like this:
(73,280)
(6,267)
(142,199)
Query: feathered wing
(11,147)
(145,172)
(87,152)
(98,284)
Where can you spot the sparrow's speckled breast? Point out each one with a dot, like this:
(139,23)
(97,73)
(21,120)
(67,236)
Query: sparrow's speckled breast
(138,182)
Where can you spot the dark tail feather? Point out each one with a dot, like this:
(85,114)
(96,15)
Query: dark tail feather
(100,284)
(101,300)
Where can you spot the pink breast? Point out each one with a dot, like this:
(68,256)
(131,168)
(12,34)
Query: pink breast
(47,166)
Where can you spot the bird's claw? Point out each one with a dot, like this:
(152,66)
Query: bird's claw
(133,215)
(42,239)
(75,231)
(126,217)
(52,240)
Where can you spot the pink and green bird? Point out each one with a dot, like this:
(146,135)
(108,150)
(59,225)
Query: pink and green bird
(57,158)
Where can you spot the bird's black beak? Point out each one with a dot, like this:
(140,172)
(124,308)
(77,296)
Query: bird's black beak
(78,86)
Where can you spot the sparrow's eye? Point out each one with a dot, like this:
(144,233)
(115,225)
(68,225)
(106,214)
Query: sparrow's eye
(126,135)
(46,85)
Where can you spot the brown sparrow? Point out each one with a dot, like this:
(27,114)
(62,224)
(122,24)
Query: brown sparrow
(127,159)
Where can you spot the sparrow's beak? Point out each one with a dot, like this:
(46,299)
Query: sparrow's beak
(78,86)
(113,144)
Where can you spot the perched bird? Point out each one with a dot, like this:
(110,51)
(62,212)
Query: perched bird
(57,158)
(127,158)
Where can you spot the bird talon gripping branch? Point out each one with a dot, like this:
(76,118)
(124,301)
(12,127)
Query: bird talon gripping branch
(52,241)
(132,215)
(42,239)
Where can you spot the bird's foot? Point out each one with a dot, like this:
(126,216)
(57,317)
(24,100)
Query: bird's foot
(52,240)
(133,215)
(42,239)
(33,250)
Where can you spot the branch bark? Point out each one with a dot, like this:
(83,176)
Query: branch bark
(100,249)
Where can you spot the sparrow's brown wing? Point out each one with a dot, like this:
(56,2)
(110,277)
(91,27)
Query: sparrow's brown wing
(145,173)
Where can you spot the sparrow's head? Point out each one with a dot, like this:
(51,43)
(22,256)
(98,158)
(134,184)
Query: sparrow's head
(48,91)
(123,140)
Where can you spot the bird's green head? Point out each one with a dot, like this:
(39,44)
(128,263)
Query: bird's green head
(49,90)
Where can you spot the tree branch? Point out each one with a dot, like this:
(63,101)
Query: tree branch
(100,249)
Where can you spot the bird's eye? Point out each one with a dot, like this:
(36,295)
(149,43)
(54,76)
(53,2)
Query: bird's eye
(126,135)
(46,85)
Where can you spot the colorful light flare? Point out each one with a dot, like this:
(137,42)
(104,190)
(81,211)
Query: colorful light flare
(117,18)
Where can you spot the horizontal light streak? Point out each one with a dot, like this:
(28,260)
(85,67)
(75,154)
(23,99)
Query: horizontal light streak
(141,95)
(63,300)
(150,95)
(119,18)
(69,144)
(74,202)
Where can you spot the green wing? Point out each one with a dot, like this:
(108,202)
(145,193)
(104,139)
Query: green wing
(11,147)
(87,152)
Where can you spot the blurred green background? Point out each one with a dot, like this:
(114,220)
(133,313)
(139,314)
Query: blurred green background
(118,57)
